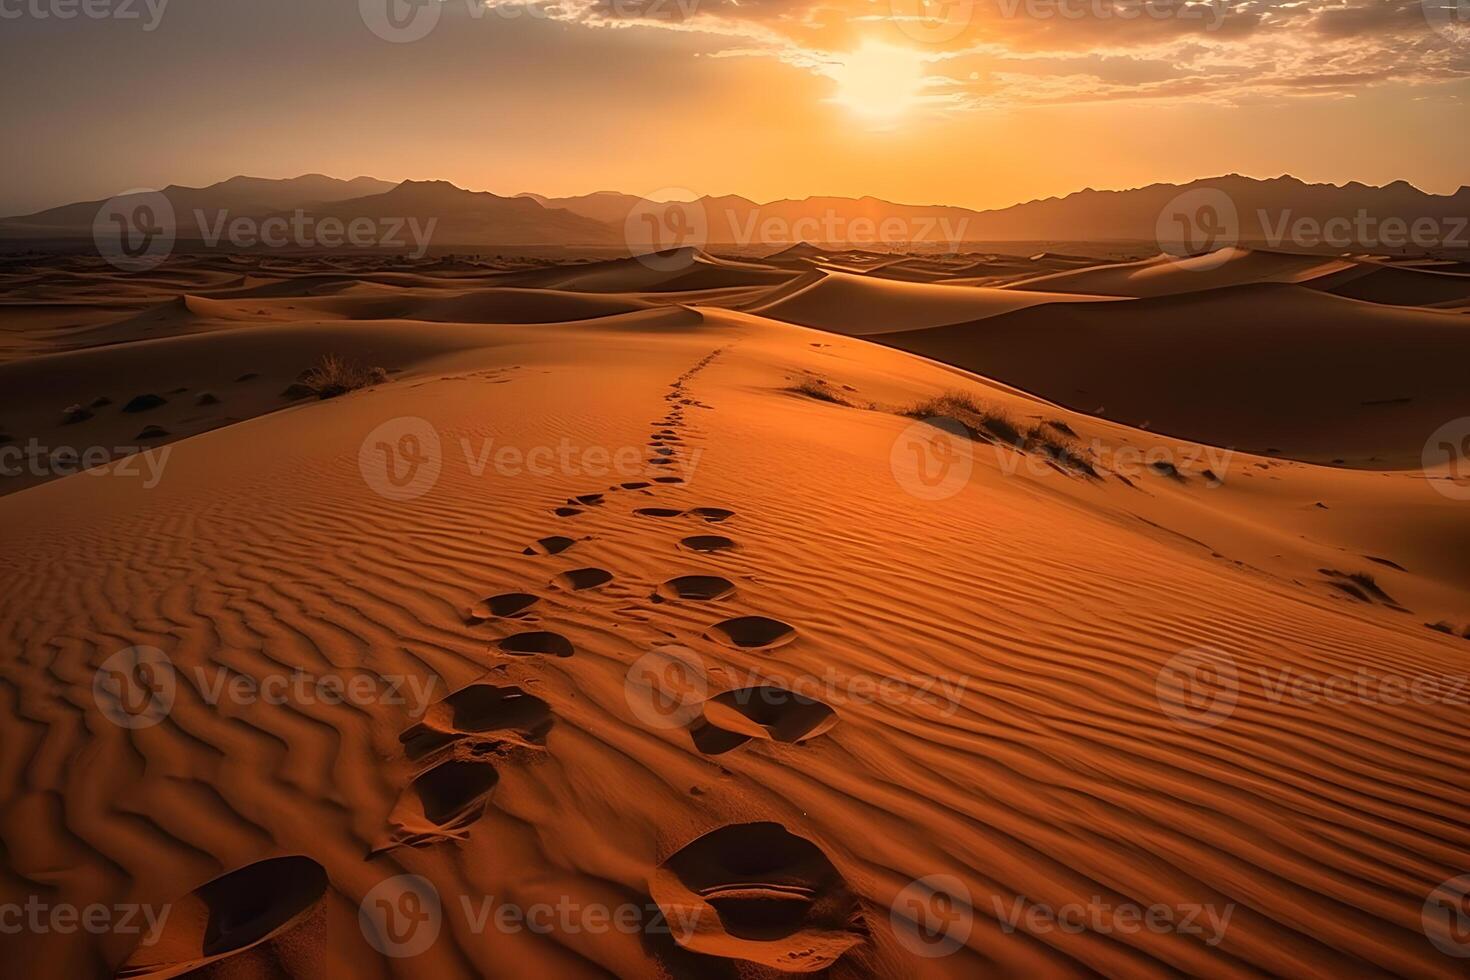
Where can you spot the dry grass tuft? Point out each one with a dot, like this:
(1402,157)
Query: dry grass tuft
(819,389)
(332,376)
(990,424)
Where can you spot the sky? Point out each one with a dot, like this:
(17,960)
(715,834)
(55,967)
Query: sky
(979,103)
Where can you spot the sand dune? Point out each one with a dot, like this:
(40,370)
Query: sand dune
(1327,378)
(859,305)
(672,271)
(1397,286)
(875,683)
(1165,275)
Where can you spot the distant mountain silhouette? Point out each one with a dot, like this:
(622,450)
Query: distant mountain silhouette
(240,196)
(1263,208)
(1263,211)
(478,217)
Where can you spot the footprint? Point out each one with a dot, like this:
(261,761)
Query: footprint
(660,461)
(536,641)
(757,892)
(668,479)
(635,485)
(588,499)
(266,919)
(707,587)
(714,515)
(579,579)
(453,793)
(567,511)
(735,717)
(753,632)
(707,543)
(658,512)
(506,605)
(476,709)
(553,545)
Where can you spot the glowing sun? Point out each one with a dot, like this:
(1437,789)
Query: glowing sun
(879,80)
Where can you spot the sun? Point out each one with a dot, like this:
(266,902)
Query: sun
(879,80)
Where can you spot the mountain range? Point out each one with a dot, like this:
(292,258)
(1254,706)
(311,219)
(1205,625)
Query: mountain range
(1263,211)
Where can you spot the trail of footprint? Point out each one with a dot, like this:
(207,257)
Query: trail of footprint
(701,587)
(553,545)
(451,792)
(753,632)
(507,605)
(708,543)
(474,710)
(265,919)
(731,719)
(581,579)
(536,641)
(759,893)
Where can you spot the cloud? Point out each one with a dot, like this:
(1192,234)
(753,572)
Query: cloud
(987,53)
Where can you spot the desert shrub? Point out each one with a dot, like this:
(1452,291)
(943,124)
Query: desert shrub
(1065,451)
(333,375)
(981,421)
(820,389)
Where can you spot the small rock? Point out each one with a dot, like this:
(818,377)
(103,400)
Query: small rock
(142,403)
(206,398)
(74,413)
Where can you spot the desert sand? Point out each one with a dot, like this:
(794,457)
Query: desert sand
(1171,457)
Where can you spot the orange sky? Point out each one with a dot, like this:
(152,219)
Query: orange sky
(1006,100)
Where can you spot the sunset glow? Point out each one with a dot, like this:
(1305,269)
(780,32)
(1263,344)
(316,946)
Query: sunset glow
(879,81)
